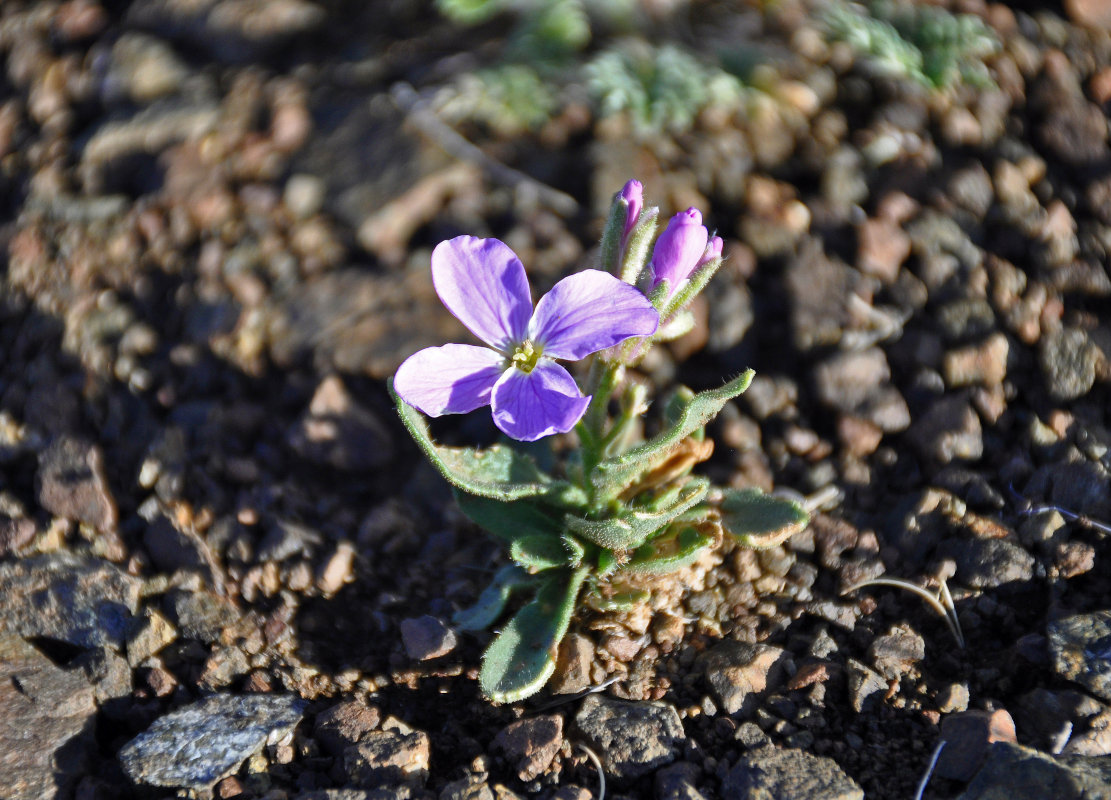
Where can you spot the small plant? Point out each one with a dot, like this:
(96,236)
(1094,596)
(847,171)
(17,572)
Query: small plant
(661,89)
(924,43)
(616,506)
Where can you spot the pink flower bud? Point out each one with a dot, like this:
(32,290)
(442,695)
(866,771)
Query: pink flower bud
(679,249)
(713,250)
(633,194)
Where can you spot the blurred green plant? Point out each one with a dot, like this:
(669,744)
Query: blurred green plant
(923,43)
(662,89)
(510,99)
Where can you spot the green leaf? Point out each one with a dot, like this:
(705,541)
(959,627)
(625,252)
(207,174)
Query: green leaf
(507,521)
(679,546)
(758,520)
(497,472)
(537,552)
(491,603)
(633,528)
(523,655)
(614,475)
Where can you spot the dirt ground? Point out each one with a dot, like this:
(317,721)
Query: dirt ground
(216,219)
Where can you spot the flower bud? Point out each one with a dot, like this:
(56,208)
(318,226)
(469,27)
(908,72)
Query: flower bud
(713,250)
(680,249)
(633,194)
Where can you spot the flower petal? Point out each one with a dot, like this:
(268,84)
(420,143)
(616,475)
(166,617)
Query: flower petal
(531,405)
(679,249)
(451,379)
(590,311)
(483,283)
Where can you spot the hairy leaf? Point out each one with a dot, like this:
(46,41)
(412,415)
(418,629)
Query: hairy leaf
(522,656)
(491,603)
(507,521)
(758,520)
(632,528)
(681,544)
(537,552)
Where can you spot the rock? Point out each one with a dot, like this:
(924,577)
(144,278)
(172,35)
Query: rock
(858,383)
(143,68)
(738,672)
(632,738)
(222,668)
(984,364)
(172,549)
(286,538)
(200,615)
(1081,648)
(882,247)
(15,534)
(953,697)
(195,746)
(948,430)
(1012,771)
(864,684)
(819,289)
(968,735)
(147,636)
(896,652)
(530,744)
(788,774)
(71,483)
(336,431)
(107,672)
(678,782)
(1069,360)
(467,788)
(1067,721)
(344,724)
(572,674)
(337,570)
(46,724)
(388,757)
(988,563)
(86,602)
(426,638)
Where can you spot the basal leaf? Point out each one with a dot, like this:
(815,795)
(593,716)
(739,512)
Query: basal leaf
(632,528)
(507,521)
(523,655)
(758,520)
(491,602)
(497,472)
(614,475)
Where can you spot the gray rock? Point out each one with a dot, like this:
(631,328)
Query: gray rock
(894,653)
(864,684)
(632,738)
(950,429)
(820,289)
(678,782)
(388,757)
(1081,647)
(46,724)
(196,746)
(572,674)
(108,672)
(336,431)
(1068,360)
(200,615)
(143,69)
(287,538)
(953,697)
(1066,721)
(858,383)
(86,602)
(71,483)
(171,549)
(147,636)
(988,563)
(738,672)
(968,735)
(426,637)
(530,744)
(15,533)
(466,789)
(788,775)
(1012,771)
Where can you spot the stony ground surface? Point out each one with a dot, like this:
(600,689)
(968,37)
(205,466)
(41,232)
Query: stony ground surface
(225,570)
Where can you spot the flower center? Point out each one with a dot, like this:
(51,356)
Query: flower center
(526,355)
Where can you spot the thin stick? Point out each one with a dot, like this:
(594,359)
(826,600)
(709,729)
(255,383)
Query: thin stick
(929,770)
(597,765)
(943,606)
(425,119)
(1070,515)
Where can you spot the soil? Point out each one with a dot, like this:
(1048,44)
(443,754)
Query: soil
(216,231)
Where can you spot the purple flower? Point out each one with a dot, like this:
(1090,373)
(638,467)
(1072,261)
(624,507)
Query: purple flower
(483,283)
(679,249)
(633,194)
(713,250)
